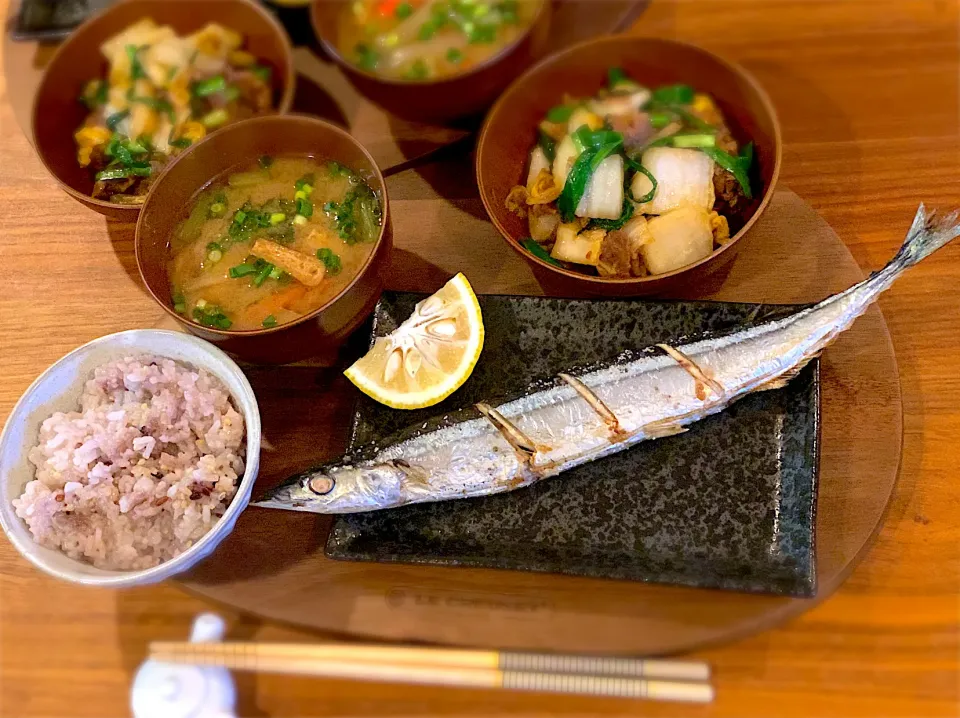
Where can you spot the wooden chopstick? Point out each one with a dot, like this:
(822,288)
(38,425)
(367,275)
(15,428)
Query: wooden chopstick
(636,678)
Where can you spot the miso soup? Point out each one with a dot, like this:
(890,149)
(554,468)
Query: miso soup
(271,242)
(425,40)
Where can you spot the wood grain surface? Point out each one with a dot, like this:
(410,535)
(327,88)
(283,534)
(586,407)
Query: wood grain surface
(868,95)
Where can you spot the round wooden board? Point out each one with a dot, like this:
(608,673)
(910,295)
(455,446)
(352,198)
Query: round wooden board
(273,564)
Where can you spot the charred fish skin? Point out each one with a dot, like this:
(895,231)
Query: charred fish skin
(585,415)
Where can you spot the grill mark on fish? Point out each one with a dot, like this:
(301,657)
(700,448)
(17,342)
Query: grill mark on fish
(702,380)
(462,454)
(521,443)
(596,403)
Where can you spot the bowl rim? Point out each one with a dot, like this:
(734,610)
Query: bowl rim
(330,48)
(270,119)
(286,98)
(252,428)
(735,68)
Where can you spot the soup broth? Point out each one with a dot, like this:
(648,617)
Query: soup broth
(272,242)
(422,40)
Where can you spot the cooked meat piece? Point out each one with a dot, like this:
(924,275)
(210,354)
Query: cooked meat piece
(254,92)
(105,189)
(516,201)
(620,251)
(635,128)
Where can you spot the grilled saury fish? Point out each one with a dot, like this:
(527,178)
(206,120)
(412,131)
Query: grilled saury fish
(585,416)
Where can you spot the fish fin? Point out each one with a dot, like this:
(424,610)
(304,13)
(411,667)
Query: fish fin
(520,442)
(700,376)
(662,429)
(929,232)
(787,376)
(595,403)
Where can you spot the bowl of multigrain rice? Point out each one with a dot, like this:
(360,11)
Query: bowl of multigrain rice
(130,459)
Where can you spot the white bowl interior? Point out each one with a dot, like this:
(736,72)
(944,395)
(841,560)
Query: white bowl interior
(59,389)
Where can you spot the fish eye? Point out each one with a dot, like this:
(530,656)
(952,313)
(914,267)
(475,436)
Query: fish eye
(321,485)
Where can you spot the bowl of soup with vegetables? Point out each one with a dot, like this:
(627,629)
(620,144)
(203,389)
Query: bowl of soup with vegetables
(432,59)
(628,165)
(268,238)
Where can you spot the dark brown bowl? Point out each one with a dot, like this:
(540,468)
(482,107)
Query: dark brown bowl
(57,114)
(437,100)
(509,134)
(319,333)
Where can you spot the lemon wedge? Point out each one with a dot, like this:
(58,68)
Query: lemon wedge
(429,356)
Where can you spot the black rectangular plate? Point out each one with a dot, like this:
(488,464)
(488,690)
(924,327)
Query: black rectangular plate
(729,504)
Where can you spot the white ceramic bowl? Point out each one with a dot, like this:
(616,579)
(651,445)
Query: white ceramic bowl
(58,389)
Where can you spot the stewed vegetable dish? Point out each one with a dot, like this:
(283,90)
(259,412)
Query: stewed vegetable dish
(272,242)
(423,40)
(634,181)
(162,93)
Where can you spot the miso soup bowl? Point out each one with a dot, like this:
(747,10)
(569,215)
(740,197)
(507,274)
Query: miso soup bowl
(510,131)
(465,94)
(57,113)
(317,334)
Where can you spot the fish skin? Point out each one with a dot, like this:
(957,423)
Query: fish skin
(650,393)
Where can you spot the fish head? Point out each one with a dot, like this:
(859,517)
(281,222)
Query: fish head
(339,490)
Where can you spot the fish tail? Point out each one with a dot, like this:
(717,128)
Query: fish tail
(929,232)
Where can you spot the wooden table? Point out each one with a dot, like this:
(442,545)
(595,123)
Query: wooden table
(867,91)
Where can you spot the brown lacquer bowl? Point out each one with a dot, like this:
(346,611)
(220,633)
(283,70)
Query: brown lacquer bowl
(436,100)
(317,334)
(509,134)
(57,113)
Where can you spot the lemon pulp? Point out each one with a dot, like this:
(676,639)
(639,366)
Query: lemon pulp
(429,356)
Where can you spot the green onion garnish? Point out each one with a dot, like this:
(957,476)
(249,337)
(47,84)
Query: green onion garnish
(269,321)
(242,270)
(210,86)
(215,118)
(330,260)
(304,207)
(262,274)
(277,218)
(367,58)
(534,247)
(116,118)
(559,114)
(136,69)
(454,56)
(403,11)
(673,95)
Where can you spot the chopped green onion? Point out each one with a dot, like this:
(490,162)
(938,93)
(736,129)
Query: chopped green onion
(428,29)
(212,246)
(613,224)
(534,247)
(454,56)
(277,218)
(210,86)
(216,210)
(482,34)
(112,173)
(548,145)
(616,75)
(269,321)
(738,165)
(215,255)
(580,174)
(262,274)
(262,72)
(215,118)
(330,260)
(417,71)
(222,322)
(239,216)
(559,114)
(181,142)
(367,57)
(673,94)
(116,118)
(136,69)
(265,161)
(275,273)
(179,303)
(688,140)
(299,220)
(403,11)
(201,303)
(659,120)
(653,189)
(305,183)
(304,207)
(242,270)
